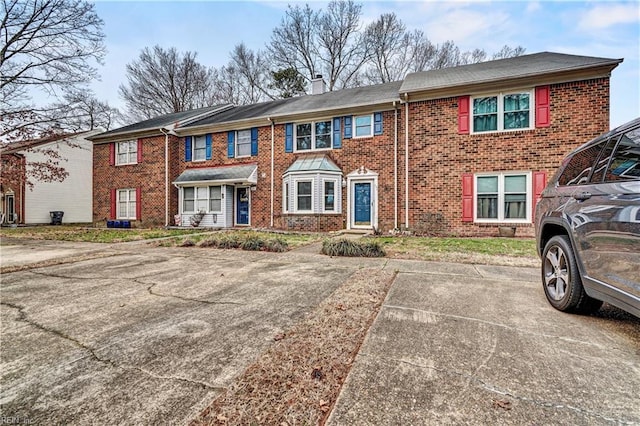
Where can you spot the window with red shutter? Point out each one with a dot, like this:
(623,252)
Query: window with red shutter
(467,197)
(463,115)
(543,110)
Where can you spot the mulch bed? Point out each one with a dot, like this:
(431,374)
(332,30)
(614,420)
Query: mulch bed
(298,379)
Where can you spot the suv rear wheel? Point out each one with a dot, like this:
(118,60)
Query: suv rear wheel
(561,278)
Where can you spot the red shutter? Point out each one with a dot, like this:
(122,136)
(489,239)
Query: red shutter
(467,197)
(463,115)
(113,204)
(543,110)
(138,203)
(539,182)
(112,153)
(139,150)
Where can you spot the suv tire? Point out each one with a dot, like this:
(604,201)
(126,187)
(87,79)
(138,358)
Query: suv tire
(561,278)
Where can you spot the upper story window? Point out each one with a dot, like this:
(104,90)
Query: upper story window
(363,126)
(243,143)
(126,153)
(504,111)
(199,148)
(314,135)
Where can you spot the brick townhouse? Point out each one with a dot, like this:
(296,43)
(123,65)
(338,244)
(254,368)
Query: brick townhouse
(459,151)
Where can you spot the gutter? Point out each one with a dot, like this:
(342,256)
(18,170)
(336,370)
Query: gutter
(406,161)
(395,166)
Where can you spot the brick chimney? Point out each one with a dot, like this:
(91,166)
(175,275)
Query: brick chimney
(318,86)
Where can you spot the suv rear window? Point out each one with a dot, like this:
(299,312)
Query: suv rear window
(580,165)
(625,164)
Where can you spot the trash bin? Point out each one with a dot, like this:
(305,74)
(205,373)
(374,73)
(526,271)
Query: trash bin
(56,217)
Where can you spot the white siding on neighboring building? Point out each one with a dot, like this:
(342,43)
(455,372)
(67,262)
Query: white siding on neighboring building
(74,195)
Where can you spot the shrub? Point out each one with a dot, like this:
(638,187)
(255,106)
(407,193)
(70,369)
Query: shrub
(229,241)
(277,245)
(209,242)
(187,243)
(253,242)
(351,248)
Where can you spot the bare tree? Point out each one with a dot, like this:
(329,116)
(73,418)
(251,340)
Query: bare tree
(49,46)
(394,51)
(341,46)
(327,42)
(509,52)
(164,81)
(252,75)
(81,110)
(293,44)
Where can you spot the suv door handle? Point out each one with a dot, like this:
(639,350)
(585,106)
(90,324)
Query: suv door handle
(582,196)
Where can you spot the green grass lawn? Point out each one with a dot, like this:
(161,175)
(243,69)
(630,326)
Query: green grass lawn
(420,246)
(94,235)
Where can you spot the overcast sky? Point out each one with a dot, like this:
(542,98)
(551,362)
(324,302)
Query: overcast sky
(212,28)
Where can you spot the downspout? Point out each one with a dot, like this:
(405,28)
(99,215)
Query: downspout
(166,133)
(272,167)
(395,166)
(406,161)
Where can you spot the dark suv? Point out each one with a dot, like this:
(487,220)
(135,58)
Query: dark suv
(588,225)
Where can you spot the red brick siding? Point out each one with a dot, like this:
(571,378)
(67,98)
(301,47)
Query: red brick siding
(149,176)
(440,156)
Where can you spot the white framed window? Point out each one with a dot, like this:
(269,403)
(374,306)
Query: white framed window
(199,148)
(502,112)
(363,126)
(243,143)
(329,195)
(215,199)
(503,197)
(202,199)
(126,204)
(304,196)
(313,135)
(285,197)
(126,153)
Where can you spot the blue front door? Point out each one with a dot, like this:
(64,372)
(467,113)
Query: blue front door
(362,201)
(242,206)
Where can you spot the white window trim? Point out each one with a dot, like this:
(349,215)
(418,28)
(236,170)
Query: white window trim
(237,139)
(313,136)
(129,152)
(500,112)
(131,215)
(501,218)
(195,199)
(193,149)
(355,128)
(295,195)
(335,196)
(285,195)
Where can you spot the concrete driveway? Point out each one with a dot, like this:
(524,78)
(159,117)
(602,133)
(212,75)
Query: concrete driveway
(151,335)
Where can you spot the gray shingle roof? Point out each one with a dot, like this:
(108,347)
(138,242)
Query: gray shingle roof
(313,163)
(368,95)
(520,66)
(162,121)
(242,173)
